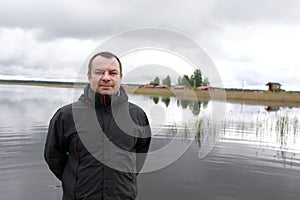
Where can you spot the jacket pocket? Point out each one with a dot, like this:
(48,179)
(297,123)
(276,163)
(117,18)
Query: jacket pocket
(70,174)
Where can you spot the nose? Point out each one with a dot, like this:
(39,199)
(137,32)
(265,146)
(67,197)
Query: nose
(105,76)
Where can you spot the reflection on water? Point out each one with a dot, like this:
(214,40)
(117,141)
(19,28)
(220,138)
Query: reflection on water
(256,157)
(184,104)
(251,124)
(25,113)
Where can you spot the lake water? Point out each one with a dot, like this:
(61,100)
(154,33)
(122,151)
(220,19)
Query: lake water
(245,152)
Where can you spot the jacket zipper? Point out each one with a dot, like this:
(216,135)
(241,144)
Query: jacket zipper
(104,101)
(76,178)
(77,155)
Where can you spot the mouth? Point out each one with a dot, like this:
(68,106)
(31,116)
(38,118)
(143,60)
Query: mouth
(106,86)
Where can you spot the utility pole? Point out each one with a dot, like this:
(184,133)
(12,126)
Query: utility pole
(242,85)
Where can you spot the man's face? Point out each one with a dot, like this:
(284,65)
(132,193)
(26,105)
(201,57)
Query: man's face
(105,76)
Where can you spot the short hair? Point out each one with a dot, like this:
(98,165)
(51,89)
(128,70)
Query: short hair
(105,55)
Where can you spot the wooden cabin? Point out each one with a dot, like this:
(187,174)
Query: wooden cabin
(274,86)
(148,86)
(179,87)
(162,87)
(203,87)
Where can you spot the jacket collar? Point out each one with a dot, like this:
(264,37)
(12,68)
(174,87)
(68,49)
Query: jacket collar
(103,101)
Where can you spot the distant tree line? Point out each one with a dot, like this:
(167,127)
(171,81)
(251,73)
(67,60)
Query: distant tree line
(166,81)
(39,82)
(195,80)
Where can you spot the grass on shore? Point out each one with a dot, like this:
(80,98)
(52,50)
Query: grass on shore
(256,98)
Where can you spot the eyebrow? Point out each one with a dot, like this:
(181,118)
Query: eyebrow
(101,70)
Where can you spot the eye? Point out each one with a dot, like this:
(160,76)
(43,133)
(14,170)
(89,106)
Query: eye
(98,72)
(114,73)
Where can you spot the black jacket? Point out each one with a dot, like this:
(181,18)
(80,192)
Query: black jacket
(97,145)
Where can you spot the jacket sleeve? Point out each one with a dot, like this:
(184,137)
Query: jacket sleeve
(55,152)
(142,145)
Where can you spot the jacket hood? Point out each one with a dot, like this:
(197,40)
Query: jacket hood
(103,101)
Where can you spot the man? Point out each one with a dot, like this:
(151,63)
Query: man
(97,145)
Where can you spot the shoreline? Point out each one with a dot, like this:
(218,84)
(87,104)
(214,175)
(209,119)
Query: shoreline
(280,99)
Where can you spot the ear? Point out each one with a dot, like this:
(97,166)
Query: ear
(121,75)
(89,76)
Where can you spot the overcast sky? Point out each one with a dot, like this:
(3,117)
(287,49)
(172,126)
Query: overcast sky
(251,42)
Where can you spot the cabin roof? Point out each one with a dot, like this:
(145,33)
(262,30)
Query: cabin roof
(179,86)
(273,83)
(161,86)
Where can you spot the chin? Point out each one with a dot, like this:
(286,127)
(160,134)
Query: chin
(105,92)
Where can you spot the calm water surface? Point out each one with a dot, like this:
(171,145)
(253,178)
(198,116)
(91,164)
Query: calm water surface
(255,152)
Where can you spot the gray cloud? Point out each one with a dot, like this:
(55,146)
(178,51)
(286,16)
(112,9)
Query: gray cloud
(93,19)
(245,12)
(33,34)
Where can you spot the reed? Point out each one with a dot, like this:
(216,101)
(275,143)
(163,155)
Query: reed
(186,131)
(295,124)
(173,129)
(198,132)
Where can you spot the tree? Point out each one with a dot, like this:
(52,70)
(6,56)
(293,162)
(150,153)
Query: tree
(196,78)
(167,81)
(205,82)
(195,107)
(184,103)
(186,81)
(156,81)
(179,80)
(155,100)
(166,100)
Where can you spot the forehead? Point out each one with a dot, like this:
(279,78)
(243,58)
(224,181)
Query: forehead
(102,63)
